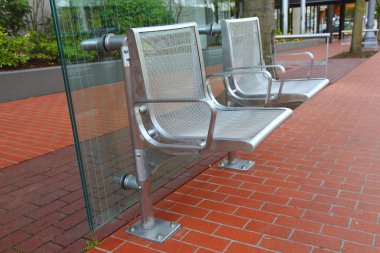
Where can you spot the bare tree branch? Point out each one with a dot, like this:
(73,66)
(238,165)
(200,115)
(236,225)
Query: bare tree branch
(37,14)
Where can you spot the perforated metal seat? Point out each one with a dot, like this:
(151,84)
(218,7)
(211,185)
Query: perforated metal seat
(240,127)
(180,114)
(294,90)
(242,50)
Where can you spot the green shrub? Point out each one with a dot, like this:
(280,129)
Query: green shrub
(32,48)
(13,15)
(12,50)
(72,50)
(115,16)
(123,14)
(43,48)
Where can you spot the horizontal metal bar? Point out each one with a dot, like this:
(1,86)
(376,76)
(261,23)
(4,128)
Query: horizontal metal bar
(106,43)
(320,63)
(111,42)
(364,30)
(304,36)
(205,29)
(210,29)
(301,63)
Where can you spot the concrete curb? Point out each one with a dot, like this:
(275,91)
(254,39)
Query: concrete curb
(21,84)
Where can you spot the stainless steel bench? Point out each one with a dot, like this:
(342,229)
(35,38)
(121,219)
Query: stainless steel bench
(171,108)
(242,49)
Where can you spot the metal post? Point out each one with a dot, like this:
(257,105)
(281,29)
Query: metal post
(82,14)
(330,12)
(341,19)
(148,227)
(235,163)
(318,19)
(303,16)
(370,37)
(285,9)
(231,158)
(146,204)
(327,56)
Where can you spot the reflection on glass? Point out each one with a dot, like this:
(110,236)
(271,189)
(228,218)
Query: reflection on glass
(95,83)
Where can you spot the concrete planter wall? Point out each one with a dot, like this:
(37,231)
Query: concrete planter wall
(21,84)
(293,45)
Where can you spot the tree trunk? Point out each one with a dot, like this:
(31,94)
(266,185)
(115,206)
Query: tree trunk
(357,36)
(264,10)
(378,19)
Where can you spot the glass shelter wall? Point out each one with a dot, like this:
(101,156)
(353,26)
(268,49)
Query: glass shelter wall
(95,90)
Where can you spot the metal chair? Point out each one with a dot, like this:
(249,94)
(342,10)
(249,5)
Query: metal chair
(242,49)
(171,108)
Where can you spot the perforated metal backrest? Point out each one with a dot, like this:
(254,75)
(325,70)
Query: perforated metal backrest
(242,42)
(167,64)
(242,47)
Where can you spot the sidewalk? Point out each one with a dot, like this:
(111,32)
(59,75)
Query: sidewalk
(41,202)
(35,126)
(315,188)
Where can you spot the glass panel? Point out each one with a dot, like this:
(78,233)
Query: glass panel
(94,84)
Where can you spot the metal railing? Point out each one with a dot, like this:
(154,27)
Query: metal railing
(325,36)
(347,36)
(111,42)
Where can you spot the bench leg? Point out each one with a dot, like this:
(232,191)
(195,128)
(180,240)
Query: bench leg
(149,227)
(235,163)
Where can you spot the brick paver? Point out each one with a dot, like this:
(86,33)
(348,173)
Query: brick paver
(32,127)
(38,125)
(42,207)
(315,187)
(302,189)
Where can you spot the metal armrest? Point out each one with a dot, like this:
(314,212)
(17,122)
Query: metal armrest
(297,63)
(244,71)
(201,147)
(281,78)
(279,67)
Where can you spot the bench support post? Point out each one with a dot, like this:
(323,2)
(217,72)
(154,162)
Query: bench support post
(149,227)
(235,163)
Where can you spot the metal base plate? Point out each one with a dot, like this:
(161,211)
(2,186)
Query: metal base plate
(239,164)
(161,231)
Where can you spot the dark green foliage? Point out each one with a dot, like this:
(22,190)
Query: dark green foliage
(123,14)
(115,16)
(34,48)
(73,52)
(12,50)
(12,15)
(42,48)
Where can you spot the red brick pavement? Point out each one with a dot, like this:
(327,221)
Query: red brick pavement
(38,125)
(42,210)
(32,127)
(315,188)
(42,207)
